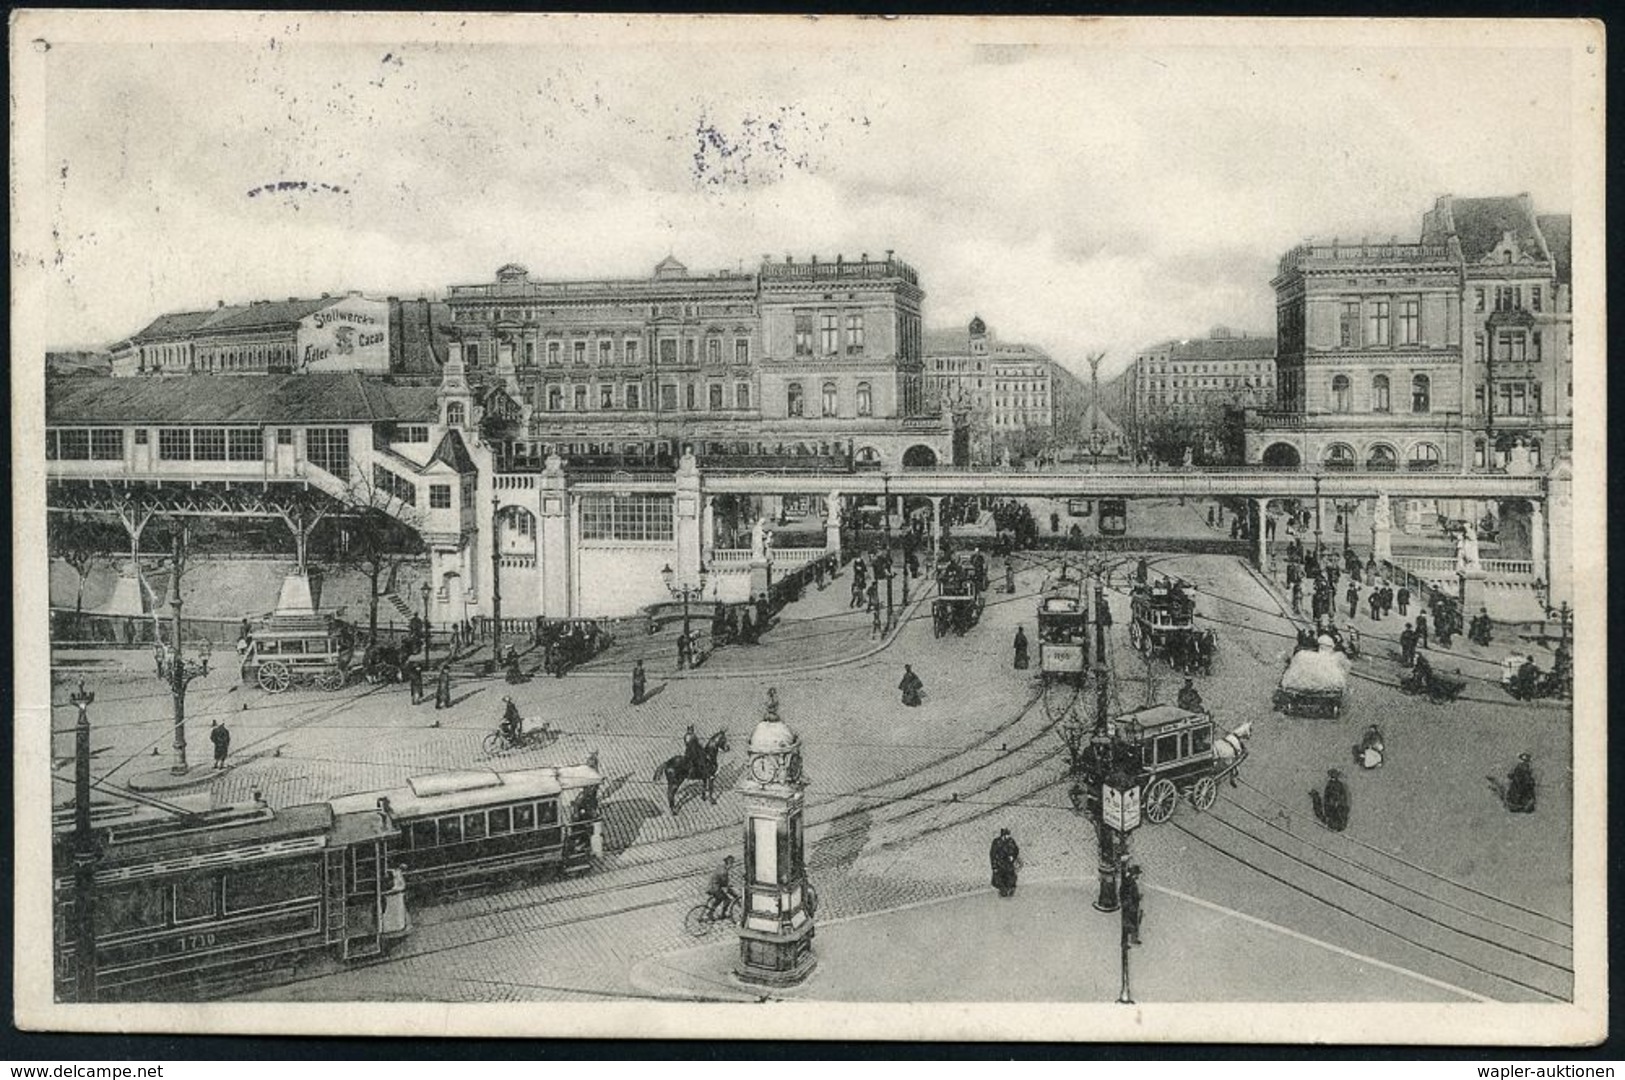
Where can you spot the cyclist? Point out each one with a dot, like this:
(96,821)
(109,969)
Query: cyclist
(720,894)
(513,725)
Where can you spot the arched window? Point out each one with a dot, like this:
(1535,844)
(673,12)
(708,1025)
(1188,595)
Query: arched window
(1421,394)
(456,415)
(1379,393)
(1342,394)
(829,402)
(866,406)
(1339,456)
(793,400)
(1382,458)
(1424,456)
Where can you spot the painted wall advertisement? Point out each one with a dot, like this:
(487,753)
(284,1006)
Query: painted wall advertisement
(352,334)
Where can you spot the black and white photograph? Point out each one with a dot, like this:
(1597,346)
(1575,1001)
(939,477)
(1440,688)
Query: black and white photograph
(768,527)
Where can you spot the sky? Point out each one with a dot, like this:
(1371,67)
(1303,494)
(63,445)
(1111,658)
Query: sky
(1081,195)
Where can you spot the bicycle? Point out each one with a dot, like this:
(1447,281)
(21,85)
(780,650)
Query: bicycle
(699,921)
(499,741)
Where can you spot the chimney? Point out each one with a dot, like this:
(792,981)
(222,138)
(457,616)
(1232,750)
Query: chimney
(327,296)
(219,304)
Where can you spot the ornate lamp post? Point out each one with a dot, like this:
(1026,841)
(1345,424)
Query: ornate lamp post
(685,592)
(1120,815)
(428,636)
(181,671)
(85,854)
(775,938)
(496,581)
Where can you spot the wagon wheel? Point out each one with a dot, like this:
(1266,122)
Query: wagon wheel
(1203,794)
(274,677)
(330,680)
(1135,636)
(1160,798)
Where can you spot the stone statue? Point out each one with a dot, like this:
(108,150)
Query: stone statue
(832,509)
(772,710)
(1382,515)
(1187,457)
(1467,548)
(758,539)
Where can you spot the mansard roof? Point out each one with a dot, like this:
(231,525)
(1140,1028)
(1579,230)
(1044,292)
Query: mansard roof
(1480,225)
(1556,229)
(237,399)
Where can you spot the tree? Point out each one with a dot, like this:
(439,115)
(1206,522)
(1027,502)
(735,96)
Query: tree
(379,533)
(82,542)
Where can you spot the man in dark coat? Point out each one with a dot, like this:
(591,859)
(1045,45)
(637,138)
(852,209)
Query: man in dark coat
(1005,856)
(1421,630)
(1021,648)
(221,738)
(1190,698)
(1518,793)
(1297,598)
(1404,598)
(1407,646)
(414,674)
(911,686)
(1128,894)
(1332,804)
(442,687)
(639,682)
(1354,599)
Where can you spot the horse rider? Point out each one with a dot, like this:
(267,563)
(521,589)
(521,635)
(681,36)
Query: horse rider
(720,893)
(1190,698)
(693,752)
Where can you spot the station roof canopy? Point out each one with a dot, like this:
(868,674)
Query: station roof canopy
(237,399)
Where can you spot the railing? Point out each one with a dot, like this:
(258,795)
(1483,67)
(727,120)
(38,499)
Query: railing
(1509,566)
(1336,251)
(791,557)
(517,562)
(513,482)
(1443,564)
(834,271)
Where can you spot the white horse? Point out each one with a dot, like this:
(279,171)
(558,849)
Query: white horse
(1229,748)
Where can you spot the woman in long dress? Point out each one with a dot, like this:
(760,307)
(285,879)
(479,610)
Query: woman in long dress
(1005,856)
(1021,649)
(911,686)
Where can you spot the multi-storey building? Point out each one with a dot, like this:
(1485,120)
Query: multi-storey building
(1004,389)
(1222,369)
(1444,353)
(819,357)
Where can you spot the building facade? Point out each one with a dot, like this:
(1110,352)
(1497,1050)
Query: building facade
(264,337)
(797,357)
(1447,353)
(1010,394)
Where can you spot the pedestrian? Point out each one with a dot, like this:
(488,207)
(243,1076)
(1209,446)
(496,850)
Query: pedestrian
(639,681)
(456,636)
(685,651)
(1444,625)
(747,629)
(1005,857)
(221,738)
(158,657)
(1190,698)
(442,687)
(1009,576)
(857,590)
(1332,804)
(1129,896)
(1269,528)
(1407,646)
(873,596)
(911,686)
(1369,753)
(1021,648)
(1404,598)
(1353,599)
(1210,517)
(1374,604)
(1518,792)
(414,676)
(510,662)
(1421,630)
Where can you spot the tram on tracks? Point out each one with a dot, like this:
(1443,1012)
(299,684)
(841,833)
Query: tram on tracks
(182,903)
(1063,637)
(1113,519)
(473,826)
(1169,753)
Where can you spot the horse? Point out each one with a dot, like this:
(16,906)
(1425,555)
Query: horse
(676,771)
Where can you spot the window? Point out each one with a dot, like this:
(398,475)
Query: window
(606,352)
(865,400)
(606,396)
(473,351)
(854,334)
(501,820)
(555,354)
(1342,394)
(1508,297)
(830,400)
(1377,323)
(174,444)
(1534,452)
(271,886)
(1410,321)
(668,397)
(829,333)
(1478,454)
(793,404)
(626,517)
(631,350)
(473,826)
(579,351)
(632,395)
(555,398)
(1534,399)
(689,397)
(451,830)
(1423,457)
(668,351)
(742,396)
(1478,398)
(244,444)
(1478,299)
(1379,393)
(195,899)
(136,907)
(1348,325)
(106,444)
(1382,458)
(396,487)
(524,817)
(580,399)
(439,496)
(741,350)
(715,396)
(1534,346)
(456,414)
(804,333)
(1340,456)
(1534,297)
(411,433)
(1420,394)
(1478,347)
(713,351)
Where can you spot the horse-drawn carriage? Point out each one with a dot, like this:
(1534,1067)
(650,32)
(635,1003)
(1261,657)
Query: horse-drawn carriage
(300,650)
(1169,753)
(1162,624)
(959,601)
(1313,683)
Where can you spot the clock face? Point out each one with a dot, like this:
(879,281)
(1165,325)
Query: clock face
(764,768)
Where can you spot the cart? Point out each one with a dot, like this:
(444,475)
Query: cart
(1313,685)
(1171,753)
(959,601)
(300,650)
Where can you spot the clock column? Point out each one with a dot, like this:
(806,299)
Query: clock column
(775,935)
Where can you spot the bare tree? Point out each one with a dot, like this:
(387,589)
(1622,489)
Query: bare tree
(81,542)
(379,532)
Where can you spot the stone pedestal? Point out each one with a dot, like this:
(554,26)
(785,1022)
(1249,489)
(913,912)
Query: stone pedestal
(295,598)
(758,578)
(1471,590)
(553,547)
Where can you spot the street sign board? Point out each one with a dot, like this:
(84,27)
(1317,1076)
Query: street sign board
(1120,807)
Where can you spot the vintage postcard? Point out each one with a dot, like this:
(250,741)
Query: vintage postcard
(809,527)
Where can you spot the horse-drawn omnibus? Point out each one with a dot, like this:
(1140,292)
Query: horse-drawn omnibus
(1163,625)
(300,650)
(1063,637)
(959,601)
(476,825)
(1170,752)
(188,902)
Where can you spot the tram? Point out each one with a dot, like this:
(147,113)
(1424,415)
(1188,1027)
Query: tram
(475,825)
(1113,519)
(1063,637)
(184,903)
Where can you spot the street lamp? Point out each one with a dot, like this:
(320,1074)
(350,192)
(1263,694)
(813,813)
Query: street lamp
(427,636)
(85,853)
(496,581)
(1120,813)
(685,592)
